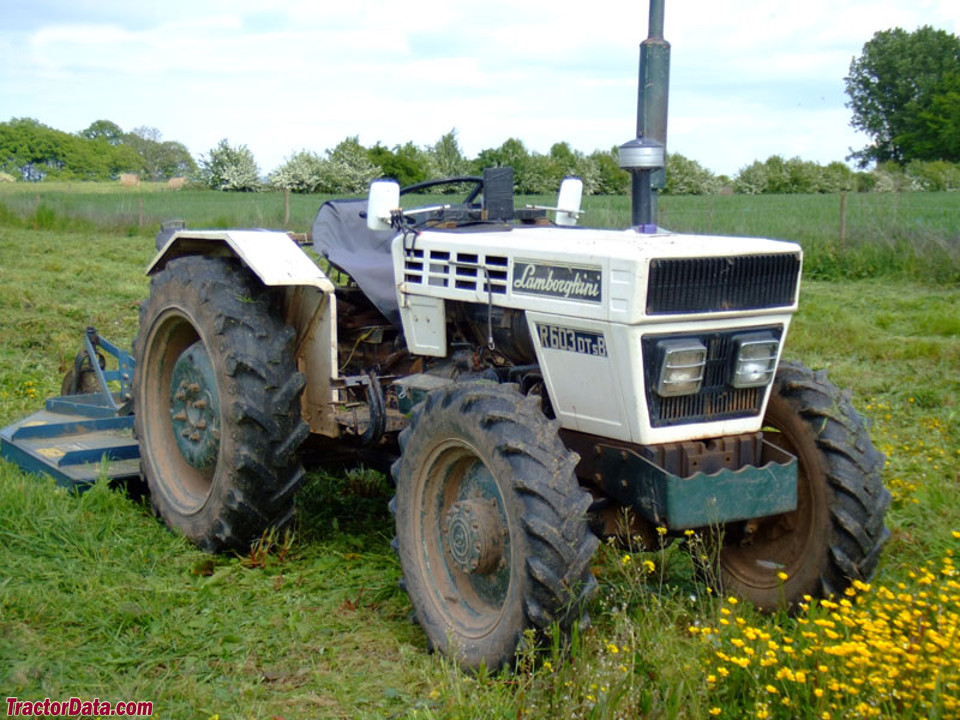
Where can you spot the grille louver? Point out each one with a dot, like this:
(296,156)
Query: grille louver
(466,271)
(692,285)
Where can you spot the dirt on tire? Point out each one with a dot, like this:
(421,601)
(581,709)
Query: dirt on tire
(244,481)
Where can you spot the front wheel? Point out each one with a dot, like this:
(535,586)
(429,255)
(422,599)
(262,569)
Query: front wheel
(217,403)
(837,531)
(491,523)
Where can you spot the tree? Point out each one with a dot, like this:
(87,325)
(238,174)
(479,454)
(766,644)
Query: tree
(160,160)
(837,177)
(938,132)
(611,179)
(688,177)
(893,88)
(301,173)
(103,130)
(533,174)
(347,169)
(752,179)
(230,168)
(447,158)
(33,151)
(407,164)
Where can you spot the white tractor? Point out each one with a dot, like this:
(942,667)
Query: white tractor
(536,386)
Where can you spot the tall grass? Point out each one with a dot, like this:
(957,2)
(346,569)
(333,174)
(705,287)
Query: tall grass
(906,235)
(87,207)
(912,236)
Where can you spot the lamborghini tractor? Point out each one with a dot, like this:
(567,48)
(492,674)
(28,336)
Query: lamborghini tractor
(535,386)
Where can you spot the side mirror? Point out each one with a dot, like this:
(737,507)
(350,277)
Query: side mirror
(384,197)
(568,201)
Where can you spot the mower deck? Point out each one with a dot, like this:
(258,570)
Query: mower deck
(75,440)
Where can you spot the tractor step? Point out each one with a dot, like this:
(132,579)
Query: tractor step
(76,447)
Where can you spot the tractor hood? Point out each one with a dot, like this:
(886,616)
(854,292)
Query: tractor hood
(617,276)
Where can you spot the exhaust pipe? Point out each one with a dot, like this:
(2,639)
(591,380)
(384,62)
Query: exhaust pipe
(645,156)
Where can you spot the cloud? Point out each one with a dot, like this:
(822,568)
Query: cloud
(748,79)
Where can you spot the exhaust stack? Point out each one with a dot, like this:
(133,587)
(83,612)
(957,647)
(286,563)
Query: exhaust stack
(645,156)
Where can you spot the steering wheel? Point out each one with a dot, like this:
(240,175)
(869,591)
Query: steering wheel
(470,197)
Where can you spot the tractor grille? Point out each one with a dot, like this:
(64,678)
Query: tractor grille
(691,285)
(717,399)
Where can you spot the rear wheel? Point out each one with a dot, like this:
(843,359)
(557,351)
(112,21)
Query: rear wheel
(837,531)
(217,403)
(491,522)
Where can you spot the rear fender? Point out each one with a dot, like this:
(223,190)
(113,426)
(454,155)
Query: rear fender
(310,305)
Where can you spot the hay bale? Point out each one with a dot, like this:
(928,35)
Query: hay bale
(7,178)
(130,180)
(176,183)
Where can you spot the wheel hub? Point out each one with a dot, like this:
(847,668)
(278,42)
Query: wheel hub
(473,534)
(195,407)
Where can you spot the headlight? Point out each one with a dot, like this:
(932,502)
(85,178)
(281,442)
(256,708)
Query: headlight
(681,367)
(755,361)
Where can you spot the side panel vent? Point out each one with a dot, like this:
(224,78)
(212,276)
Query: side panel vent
(464,271)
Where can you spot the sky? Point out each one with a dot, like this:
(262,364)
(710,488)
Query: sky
(748,79)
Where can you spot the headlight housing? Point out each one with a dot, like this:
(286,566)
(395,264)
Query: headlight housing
(755,360)
(681,367)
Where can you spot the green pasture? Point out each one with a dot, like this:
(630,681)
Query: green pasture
(98,599)
(911,235)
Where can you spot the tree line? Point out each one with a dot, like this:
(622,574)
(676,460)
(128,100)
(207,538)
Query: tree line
(103,151)
(32,151)
(904,92)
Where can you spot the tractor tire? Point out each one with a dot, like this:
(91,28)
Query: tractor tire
(491,523)
(217,403)
(837,531)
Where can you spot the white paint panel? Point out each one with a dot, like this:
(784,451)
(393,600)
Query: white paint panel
(424,325)
(273,256)
(584,389)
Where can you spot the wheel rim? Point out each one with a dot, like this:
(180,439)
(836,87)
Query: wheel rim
(182,436)
(780,544)
(464,539)
(195,407)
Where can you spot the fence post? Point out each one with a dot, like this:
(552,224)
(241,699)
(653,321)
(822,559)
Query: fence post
(140,209)
(843,220)
(286,206)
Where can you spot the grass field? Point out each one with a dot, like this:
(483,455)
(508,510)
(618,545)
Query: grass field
(97,599)
(914,236)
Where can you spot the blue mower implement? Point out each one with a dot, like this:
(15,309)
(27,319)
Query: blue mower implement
(87,431)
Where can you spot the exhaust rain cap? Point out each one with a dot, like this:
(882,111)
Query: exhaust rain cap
(642,154)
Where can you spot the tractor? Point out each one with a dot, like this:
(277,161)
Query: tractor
(533,386)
